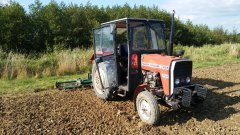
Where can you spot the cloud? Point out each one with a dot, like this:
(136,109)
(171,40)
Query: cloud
(4,2)
(214,13)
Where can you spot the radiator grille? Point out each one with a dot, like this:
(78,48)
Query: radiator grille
(182,70)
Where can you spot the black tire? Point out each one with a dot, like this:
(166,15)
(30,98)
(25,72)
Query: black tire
(153,107)
(106,94)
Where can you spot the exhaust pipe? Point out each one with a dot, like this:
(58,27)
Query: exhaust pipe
(170,51)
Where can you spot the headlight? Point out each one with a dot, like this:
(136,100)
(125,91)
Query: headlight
(177,81)
(188,80)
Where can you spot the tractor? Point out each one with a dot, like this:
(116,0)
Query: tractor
(131,59)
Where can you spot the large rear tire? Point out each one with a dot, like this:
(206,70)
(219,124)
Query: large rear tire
(106,94)
(147,107)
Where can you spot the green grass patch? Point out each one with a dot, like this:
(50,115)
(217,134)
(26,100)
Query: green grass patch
(22,86)
(58,62)
(202,64)
(212,55)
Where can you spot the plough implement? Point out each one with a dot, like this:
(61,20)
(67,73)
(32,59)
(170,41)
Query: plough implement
(74,84)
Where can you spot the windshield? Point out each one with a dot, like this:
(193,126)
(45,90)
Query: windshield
(147,35)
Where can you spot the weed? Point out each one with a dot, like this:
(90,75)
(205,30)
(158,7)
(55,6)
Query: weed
(234,50)
(58,62)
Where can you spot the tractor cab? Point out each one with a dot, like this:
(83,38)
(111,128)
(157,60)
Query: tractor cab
(131,59)
(118,47)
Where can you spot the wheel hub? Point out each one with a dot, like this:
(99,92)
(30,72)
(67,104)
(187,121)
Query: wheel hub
(145,110)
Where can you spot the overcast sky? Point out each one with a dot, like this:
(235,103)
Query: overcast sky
(214,13)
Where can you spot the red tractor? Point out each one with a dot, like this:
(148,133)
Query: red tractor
(131,58)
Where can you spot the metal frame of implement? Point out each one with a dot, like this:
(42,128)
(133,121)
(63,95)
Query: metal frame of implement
(74,84)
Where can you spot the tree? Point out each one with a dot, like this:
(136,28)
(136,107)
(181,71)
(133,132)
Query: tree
(14,28)
(46,26)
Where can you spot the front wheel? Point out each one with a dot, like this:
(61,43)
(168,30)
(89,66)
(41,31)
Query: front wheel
(147,107)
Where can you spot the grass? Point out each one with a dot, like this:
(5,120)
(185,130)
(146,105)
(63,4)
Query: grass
(58,62)
(212,55)
(21,74)
(22,86)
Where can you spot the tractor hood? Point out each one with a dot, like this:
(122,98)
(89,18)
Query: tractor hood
(157,62)
(165,65)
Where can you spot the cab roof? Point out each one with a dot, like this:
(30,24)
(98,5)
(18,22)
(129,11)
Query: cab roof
(125,19)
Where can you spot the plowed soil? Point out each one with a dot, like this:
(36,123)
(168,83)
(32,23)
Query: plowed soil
(81,112)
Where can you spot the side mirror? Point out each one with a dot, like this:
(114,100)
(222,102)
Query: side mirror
(179,53)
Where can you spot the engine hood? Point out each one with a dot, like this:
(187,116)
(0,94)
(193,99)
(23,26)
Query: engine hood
(156,62)
(162,64)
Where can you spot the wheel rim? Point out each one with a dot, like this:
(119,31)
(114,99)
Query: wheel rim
(144,109)
(98,86)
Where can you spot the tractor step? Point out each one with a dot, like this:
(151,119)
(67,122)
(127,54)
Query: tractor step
(123,87)
(122,91)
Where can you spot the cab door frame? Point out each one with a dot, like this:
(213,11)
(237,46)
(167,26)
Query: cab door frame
(105,54)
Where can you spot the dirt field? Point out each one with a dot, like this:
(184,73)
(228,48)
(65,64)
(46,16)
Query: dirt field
(80,112)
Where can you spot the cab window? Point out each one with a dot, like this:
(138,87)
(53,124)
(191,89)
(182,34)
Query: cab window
(103,40)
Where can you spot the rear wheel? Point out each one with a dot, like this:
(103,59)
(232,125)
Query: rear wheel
(147,107)
(106,94)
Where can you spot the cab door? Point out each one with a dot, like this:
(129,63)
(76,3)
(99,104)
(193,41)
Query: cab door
(105,56)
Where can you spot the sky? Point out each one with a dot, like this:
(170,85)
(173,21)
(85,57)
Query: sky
(213,13)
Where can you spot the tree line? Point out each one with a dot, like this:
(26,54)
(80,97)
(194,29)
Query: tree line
(43,27)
